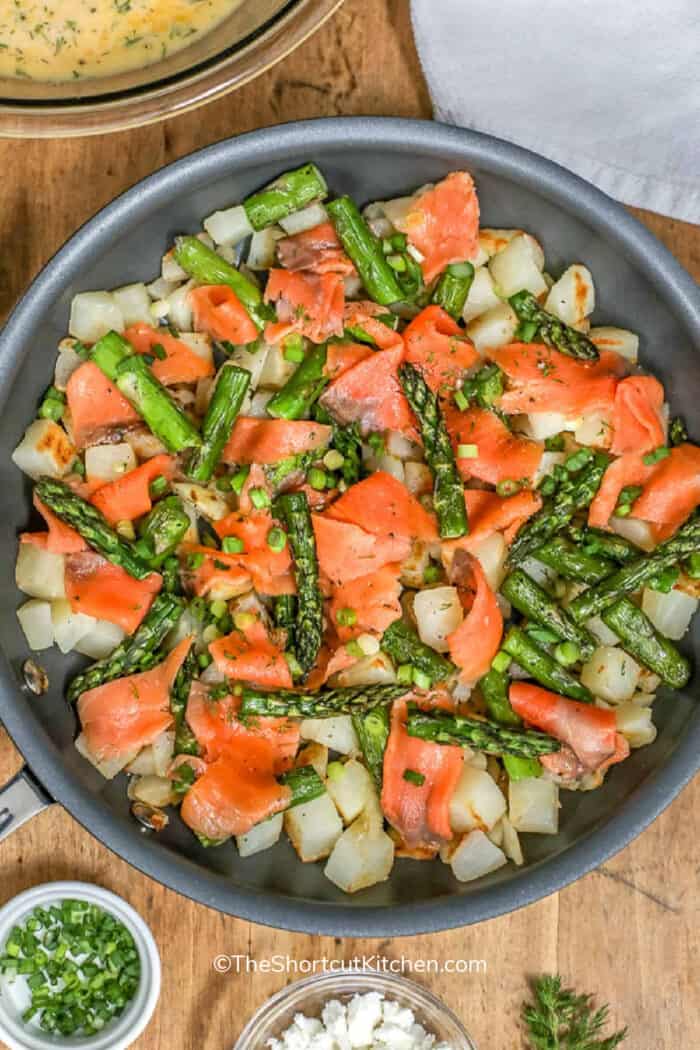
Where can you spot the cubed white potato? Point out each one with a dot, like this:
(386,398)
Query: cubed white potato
(418,478)
(492,241)
(635,723)
(539,572)
(170,271)
(542,425)
(163,752)
(230,226)
(611,673)
(338,733)
(572,297)
(152,790)
(35,620)
(263,247)
(477,759)
(361,857)
(438,613)
(40,573)
(349,784)
(533,805)
(110,767)
(161,288)
(315,755)
(92,315)
(375,669)
(648,682)
(109,462)
(257,407)
(600,630)
(276,369)
(304,219)
(200,344)
(496,327)
(396,210)
(44,449)
(635,530)
(492,552)
(67,362)
(260,837)
(475,857)
(518,267)
(253,363)
(620,340)
(477,802)
(143,765)
(313,828)
(594,429)
(670,613)
(206,501)
(414,566)
(496,834)
(482,295)
(100,641)
(511,843)
(134,303)
(546,466)
(69,626)
(144,443)
(179,309)
(397,444)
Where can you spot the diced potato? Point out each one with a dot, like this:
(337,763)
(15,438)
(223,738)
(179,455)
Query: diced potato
(110,767)
(258,404)
(68,626)
(179,311)
(206,501)
(101,640)
(253,363)
(361,857)
(493,241)
(418,478)
(477,759)
(482,295)
(163,751)
(336,733)
(144,443)
(397,444)
(414,566)
(594,429)
(261,837)
(635,530)
(635,724)
(314,828)
(477,802)
(670,613)
(92,315)
(438,613)
(496,834)
(572,297)
(304,219)
(44,449)
(350,789)
(376,669)
(134,302)
(620,340)
(35,620)
(511,843)
(495,327)
(276,370)
(160,288)
(40,573)
(315,755)
(396,210)
(475,857)
(492,553)
(540,572)
(382,461)
(611,673)
(533,805)
(230,226)
(263,246)
(518,267)
(109,462)
(144,764)
(200,344)
(154,791)
(542,425)
(600,630)
(66,363)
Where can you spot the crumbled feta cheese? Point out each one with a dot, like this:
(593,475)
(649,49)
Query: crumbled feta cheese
(366,1021)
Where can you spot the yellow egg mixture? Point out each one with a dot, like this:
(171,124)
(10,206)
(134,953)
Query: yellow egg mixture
(76,39)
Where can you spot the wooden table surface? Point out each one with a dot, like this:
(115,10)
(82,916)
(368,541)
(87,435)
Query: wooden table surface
(624,931)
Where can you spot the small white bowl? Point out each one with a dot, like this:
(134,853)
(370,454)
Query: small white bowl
(119,1033)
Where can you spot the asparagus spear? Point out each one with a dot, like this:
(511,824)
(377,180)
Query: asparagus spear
(292,509)
(636,573)
(448,493)
(92,526)
(543,667)
(226,400)
(533,602)
(452,289)
(550,330)
(206,266)
(373,733)
(519,768)
(365,251)
(185,740)
(289,193)
(305,785)
(153,402)
(285,612)
(494,689)
(136,653)
(347,440)
(403,645)
(494,739)
(302,389)
(573,494)
(109,352)
(485,387)
(572,562)
(163,528)
(640,638)
(323,704)
(604,544)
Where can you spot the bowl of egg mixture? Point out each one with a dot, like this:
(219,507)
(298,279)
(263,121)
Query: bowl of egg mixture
(81,67)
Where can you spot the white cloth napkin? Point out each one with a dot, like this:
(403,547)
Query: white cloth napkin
(608,88)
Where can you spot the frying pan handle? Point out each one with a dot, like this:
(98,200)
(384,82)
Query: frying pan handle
(20,800)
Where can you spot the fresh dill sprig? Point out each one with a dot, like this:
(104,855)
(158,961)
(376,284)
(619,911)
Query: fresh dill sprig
(558,1019)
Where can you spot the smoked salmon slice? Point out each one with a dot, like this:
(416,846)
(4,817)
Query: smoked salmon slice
(345,551)
(589,731)
(443,224)
(672,492)
(364,315)
(60,539)
(307,303)
(208,571)
(371,395)
(545,380)
(248,655)
(220,313)
(438,347)
(266,441)
(638,424)
(500,454)
(98,588)
(382,505)
(127,714)
(629,469)
(317,250)
(175,361)
(270,570)
(96,408)
(477,639)
(374,601)
(340,357)
(488,513)
(129,497)
(419,812)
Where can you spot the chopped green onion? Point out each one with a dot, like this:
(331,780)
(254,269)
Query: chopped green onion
(259,498)
(467,451)
(692,567)
(567,653)
(578,460)
(421,680)
(276,539)
(542,635)
(404,674)
(232,545)
(461,401)
(239,479)
(654,457)
(317,478)
(432,573)
(158,486)
(501,661)
(196,560)
(666,580)
(412,776)
(333,459)
(335,770)
(628,496)
(293,349)
(376,443)
(355,649)
(508,487)
(346,617)
(218,608)
(555,443)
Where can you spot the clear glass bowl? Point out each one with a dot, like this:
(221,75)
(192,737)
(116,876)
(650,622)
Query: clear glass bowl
(309,997)
(253,38)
